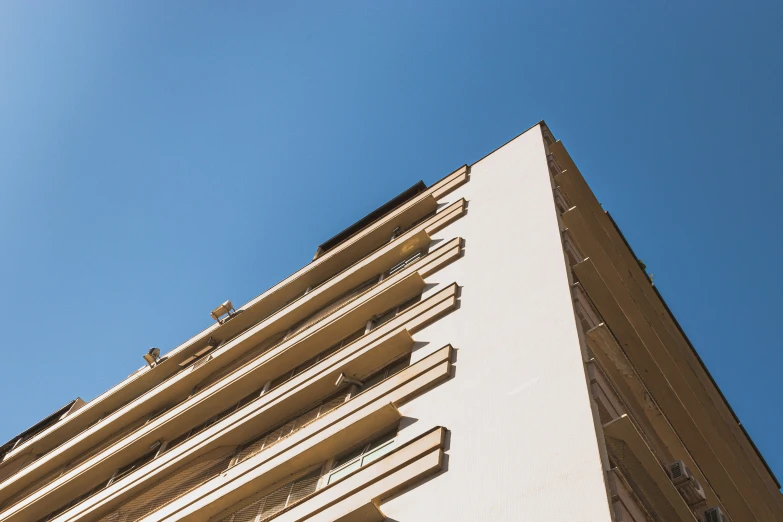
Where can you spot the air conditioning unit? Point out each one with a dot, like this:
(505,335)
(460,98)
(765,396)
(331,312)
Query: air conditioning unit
(686,483)
(679,472)
(714,514)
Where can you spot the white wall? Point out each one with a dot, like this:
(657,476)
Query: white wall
(523,445)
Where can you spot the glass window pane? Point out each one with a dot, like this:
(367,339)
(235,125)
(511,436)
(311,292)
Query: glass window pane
(380,441)
(378,453)
(344,471)
(385,372)
(305,365)
(396,268)
(347,457)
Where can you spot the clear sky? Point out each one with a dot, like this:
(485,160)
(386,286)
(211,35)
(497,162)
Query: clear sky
(157,158)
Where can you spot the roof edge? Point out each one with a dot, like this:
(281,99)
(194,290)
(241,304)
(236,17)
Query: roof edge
(699,359)
(370,218)
(61,412)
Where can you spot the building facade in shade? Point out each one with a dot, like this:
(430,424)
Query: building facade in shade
(487,348)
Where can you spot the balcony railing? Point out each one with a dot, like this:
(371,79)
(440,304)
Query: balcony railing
(204,357)
(266,440)
(215,462)
(253,354)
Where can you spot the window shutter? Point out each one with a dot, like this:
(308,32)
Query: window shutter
(289,428)
(271,503)
(333,306)
(185,479)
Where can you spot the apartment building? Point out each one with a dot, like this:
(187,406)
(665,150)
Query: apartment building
(484,349)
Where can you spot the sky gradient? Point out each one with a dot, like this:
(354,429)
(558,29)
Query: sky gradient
(157,158)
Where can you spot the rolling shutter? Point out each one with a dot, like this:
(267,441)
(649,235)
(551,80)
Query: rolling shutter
(182,481)
(290,427)
(273,502)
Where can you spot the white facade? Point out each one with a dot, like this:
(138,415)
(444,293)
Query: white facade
(523,442)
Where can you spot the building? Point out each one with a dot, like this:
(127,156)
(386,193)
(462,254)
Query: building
(484,349)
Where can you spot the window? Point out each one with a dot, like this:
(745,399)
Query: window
(349,462)
(352,294)
(75,501)
(277,500)
(402,264)
(274,383)
(397,232)
(261,348)
(372,324)
(202,357)
(289,427)
(306,482)
(38,484)
(176,441)
(386,372)
(139,462)
(343,466)
(390,314)
(277,381)
(83,458)
(336,304)
(297,296)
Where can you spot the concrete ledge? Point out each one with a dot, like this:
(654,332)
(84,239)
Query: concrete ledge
(660,388)
(397,389)
(669,357)
(450,182)
(664,440)
(604,233)
(236,385)
(624,430)
(257,473)
(315,272)
(351,496)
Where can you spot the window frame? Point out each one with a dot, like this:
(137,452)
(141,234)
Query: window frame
(377,447)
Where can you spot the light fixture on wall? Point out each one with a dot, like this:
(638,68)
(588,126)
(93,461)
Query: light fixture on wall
(152,357)
(225,309)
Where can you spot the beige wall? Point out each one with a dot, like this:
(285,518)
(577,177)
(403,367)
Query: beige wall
(522,439)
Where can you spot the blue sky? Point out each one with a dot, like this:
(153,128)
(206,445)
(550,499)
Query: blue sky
(157,158)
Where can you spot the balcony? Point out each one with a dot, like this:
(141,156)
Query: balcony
(635,463)
(330,264)
(216,470)
(362,363)
(178,388)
